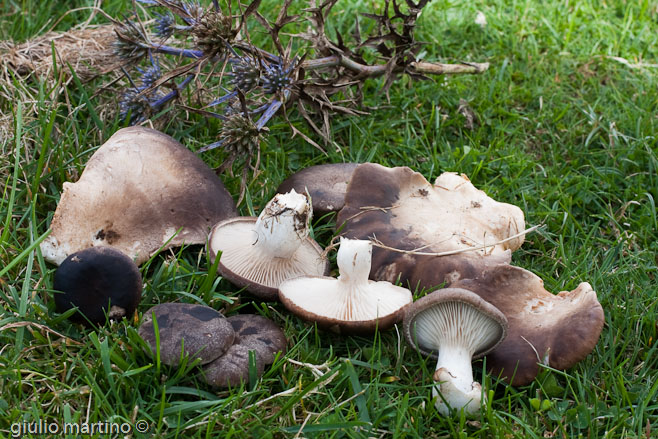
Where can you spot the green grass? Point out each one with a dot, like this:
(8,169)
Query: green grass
(567,131)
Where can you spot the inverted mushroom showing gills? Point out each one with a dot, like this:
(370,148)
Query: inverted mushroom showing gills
(557,330)
(185,329)
(139,192)
(455,326)
(351,303)
(101,282)
(402,210)
(260,253)
(326,184)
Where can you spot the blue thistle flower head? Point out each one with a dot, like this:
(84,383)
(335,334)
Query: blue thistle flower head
(136,104)
(165,25)
(245,73)
(131,40)
(149,76)
(277,77)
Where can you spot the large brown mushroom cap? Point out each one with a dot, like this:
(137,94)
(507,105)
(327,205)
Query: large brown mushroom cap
(136,192)
(326,184)
(401,209)
(193,330)
(556,330)
(253,333)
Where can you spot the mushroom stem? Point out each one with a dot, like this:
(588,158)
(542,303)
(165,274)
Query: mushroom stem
(352,303)
(283,225)
(354,259)
(455,388)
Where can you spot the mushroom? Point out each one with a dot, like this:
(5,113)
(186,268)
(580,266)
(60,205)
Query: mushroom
(101,282)
(351,303)
(253,333)
(140,192)
(260,253)
(554,330)
(399,208)
(454,326)
(186,329)
(326,184)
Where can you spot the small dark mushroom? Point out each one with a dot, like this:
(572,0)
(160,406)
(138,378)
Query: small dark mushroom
(102,282)
(326,184)
(187,330)
(253,333)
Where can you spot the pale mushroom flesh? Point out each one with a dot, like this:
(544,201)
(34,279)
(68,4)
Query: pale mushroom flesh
(402,210)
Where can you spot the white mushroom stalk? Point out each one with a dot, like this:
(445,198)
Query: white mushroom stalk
(459,330)
(458,325)
(354,300)
(283,225)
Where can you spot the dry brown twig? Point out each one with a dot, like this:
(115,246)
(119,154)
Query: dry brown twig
(416,252)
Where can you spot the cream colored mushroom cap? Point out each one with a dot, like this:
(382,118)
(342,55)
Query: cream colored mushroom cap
(140,191)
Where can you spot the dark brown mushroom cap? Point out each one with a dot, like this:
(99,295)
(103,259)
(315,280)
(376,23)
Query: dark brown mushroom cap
(399,208)
(460,296)
(255,334)
(557,330)
(199,330)
(101,282)
(326,184)
(245,267)
(137,191)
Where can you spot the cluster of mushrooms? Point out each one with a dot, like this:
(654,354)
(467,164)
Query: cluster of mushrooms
(143,192)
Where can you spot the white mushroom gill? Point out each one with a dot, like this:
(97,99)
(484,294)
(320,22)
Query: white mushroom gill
(351,297)
(283,225)
(457,331)
(348,303)
(250,263)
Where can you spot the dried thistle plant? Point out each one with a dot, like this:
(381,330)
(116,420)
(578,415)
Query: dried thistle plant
(209,46)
